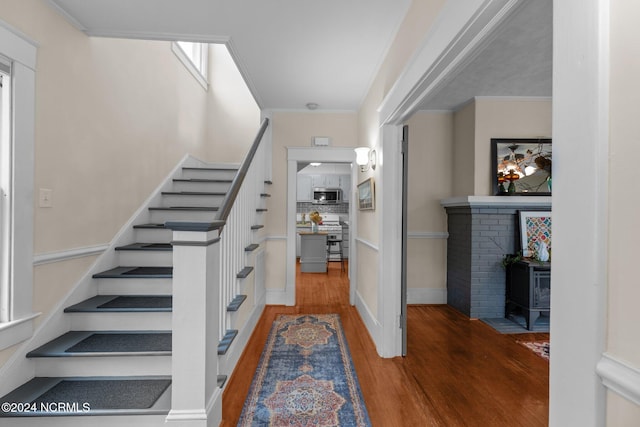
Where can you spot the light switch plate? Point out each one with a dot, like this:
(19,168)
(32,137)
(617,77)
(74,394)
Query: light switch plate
(46,198)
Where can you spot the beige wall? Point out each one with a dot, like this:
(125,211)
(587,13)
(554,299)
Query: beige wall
(464,150)
(624,202)
(430,167)
(113,117)
(505,118)
(484,118)
(296,129)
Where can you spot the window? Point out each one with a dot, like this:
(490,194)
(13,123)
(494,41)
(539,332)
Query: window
(194,56)
(18,58)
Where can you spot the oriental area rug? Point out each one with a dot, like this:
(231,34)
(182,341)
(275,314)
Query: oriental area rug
(541,348)
(305,377)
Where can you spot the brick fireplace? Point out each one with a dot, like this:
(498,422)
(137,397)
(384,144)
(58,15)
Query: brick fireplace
(482,229)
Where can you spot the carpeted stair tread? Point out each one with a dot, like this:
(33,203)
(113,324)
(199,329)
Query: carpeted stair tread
(193,193)
(235,304)
(146,247)
(151,226)
(202,180)
(244,272)
(185,208)
(225,342)
(140,395)
(136,272)
(252,247)
(101,343)
(124,303)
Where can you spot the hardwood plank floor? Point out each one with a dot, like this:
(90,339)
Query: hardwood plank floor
(458,372)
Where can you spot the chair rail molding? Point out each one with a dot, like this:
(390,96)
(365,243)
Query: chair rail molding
(620,377)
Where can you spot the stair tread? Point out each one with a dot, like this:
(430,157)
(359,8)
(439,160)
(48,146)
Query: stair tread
(244,272)
(193,193)
(126,395)
(123,303)
(185,208)
(202,180)
(150,226)
(235,304)
(265,195)
(138,246)
(106,343)
(257,227)
(219,168)
(252,247)
(225,342)
(136,272)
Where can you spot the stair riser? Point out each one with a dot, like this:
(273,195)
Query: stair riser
(102,366)
(162,216)
(153,235)
(145,258)
(134,286)
(148,321)
(208,174)
(191,200)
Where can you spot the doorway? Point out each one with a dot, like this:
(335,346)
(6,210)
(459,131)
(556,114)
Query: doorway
(297,157)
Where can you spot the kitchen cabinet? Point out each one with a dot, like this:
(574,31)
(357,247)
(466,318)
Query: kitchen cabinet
(299,229)
(304,191)
(313,252)
(306,184)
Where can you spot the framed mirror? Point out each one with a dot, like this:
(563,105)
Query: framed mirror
(521,167)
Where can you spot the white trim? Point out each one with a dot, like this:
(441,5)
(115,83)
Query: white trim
(51,257)
(367,243)
(305,154)
(426,296)
(66,15)
(373,326)
(620,377)
(275,237)
(23,52)
(428,235)
(16,331)
(200,76)
(497,201)
(456,37)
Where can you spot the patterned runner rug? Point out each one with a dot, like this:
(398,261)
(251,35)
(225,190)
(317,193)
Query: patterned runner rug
(305,377)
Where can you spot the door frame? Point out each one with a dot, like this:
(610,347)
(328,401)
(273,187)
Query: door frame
(324,155)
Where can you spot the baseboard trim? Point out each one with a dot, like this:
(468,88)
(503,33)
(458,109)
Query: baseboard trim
(620,377)
(426,296)
(51,257)
(369,320)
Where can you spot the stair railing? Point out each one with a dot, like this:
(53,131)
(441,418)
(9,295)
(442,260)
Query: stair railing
(238,211)
(205,263)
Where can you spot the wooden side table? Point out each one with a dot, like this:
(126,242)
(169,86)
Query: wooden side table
(530,289)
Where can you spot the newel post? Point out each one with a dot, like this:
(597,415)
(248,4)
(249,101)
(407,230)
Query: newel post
(196,400)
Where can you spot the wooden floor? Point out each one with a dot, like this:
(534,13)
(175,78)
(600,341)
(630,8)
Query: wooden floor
(458,372)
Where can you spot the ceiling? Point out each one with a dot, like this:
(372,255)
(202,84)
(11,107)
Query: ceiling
(294,52)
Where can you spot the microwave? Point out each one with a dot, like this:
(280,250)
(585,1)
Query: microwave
(327,195)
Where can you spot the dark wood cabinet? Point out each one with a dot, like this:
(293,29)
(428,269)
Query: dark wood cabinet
(529,289)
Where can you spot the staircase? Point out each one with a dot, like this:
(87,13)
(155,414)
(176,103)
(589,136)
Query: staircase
(114,364)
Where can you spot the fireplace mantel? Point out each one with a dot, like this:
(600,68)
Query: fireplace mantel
(498,202)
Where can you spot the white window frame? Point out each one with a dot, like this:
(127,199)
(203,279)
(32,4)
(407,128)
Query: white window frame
(195,57)
(22,52)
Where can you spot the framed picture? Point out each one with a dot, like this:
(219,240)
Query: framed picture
(366,195)
(521,167)
(535,227)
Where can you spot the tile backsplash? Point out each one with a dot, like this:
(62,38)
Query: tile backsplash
(338,208)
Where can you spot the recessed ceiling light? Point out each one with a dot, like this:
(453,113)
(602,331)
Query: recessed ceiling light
(315,164)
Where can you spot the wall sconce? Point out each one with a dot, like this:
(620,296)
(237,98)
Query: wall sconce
(366,158)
